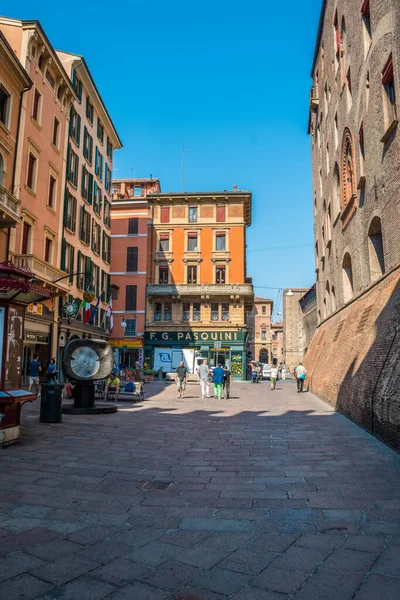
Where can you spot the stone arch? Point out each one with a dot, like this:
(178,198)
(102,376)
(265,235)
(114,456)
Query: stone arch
(347,275)
(348,171)
(375,248)
(263,355)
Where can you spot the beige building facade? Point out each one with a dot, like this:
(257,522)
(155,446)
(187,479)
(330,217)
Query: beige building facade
(259,328)
(293,335)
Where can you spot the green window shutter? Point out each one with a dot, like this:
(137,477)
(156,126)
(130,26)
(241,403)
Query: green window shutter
(90,188)
(63,251)
(101,160)
(71,121)
(76,170)
(90,149)
(74,207)
(71,263)
(106,177)
(110,180)
(96,165)
(95,194)
(69,161)
(65,206)
(88,268)
(78,267)
(85,142)
(78,130)
(82,224)
(83,191)
(108,292)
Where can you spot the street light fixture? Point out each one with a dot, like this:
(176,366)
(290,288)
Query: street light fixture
(290,293)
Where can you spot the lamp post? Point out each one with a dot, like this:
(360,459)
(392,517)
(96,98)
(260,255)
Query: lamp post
(290,293)
(124,326)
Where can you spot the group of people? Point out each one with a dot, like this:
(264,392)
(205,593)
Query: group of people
(35,369)
(221,378)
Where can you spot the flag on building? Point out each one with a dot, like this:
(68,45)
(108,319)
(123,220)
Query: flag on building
(110,315)
(94,311)
(86,307)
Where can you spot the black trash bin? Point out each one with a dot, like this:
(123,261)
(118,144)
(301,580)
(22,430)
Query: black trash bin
(50,403)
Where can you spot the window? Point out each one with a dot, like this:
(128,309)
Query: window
(130,297)
(366,19)
(72,167)
(336,190)
(87,146)
(85,226)
(343,52)
(264,310)
(133,226)
(47,250)
(67,259)
(186,311)
(138,191)
(130,329)
(70,212)
(32,166)
(89,110)
(109,149)
(192,244)
(77,83)
(41,62)
(362,149)
(37,105)
(26,238)
(106,248)
(167,311)
(192,274)
(221,214)
(348,170)
(196,311)
(97,196)
(220,242)
(164,243)
(220,274)
(56,132)
(375,245)
(389,95)
(192,214)
(163,274)
(347,275)
(164,214)
(214,311)
(5,100)
(264,333)
(107,213)
(107,178)
(100,130)
(225,311)
(75,125)
(132,259)
(367,86)
(96,237)
(333,299)
(50,78)
(336,131)
(157,311)
(52,192)
(349,89)
(337,38)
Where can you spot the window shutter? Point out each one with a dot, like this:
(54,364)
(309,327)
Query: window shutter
(71,265)
(90,188)
(74,207)
(69,161)
(88,272)
(90,149)
(106,177)
(76,170)
(65,206)
(83,191)
(82,224)
(130,299)
(78,130)
(71,121)
(132,259)
(85,142)
(165,214)
(78,268)
(63,250)
(96,165)
(133,226)
(220,214)
(109,179)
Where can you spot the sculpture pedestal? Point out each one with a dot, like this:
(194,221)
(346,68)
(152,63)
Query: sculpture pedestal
(84,401)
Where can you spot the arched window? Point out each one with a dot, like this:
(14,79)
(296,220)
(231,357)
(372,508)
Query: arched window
(375,246)
(333,299)
(343,51)
(336,190)
(2,170)
(347,274)
(348,169)
(263,356)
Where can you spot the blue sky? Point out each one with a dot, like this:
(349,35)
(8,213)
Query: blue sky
(229,80)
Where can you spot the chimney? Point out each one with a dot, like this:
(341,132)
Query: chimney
(151,177)
(235,188)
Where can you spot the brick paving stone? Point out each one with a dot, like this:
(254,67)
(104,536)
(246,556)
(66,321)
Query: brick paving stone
(346,560)
(228,541)
(83,588)
(91,535)
(23,587)
(135,538)
(55,549)
(298,559)
(233,525)
(271,543)
(222,581)
(16,564)
(389,562)
(186,539)
(247,561)
(191,593)
(378,587)
(139,591)
(366,543)
(155,553)
(330,585)
(106,550)
(171,575)
(121,571)
(279,580)
(65,569)
(319,542)
(203,556)
(254,594)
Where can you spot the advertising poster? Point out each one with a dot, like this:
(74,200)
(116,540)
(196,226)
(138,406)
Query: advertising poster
(14,347)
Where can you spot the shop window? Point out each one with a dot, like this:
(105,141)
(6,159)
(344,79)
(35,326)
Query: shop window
(220,242)
(220,273)
(167,311)
(214,311)
(196,311)
(163,275)
(192,243)
(186,312)
(192,274)
(192,214)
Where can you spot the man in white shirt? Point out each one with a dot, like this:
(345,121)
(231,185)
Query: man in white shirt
(204,376)
(273,377)
(301,373)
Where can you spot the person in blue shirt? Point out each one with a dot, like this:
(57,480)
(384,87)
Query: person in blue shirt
(52,370)
(34,372)
(218,379)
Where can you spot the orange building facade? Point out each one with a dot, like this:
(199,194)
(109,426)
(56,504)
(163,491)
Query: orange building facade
(198,293)
(129,265)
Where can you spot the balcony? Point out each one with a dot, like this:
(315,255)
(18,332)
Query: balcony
(43,271)
(199,289)
(9,209)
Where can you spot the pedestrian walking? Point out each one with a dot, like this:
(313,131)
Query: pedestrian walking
(218,379)
(181,378)
(301,373)
(227,382)
(273,377)
(34,373)
(204,376)
(52,370)
(283,374)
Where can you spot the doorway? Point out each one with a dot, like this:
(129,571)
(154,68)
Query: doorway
(220,357)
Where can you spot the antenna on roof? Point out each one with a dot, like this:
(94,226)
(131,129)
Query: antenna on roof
(183,150)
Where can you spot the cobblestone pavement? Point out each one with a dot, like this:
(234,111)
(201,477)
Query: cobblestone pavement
(267,496)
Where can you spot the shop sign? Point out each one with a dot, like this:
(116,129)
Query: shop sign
(195,336)
(125,344)
(35,308)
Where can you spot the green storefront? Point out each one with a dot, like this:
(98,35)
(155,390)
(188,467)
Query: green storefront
(225,347)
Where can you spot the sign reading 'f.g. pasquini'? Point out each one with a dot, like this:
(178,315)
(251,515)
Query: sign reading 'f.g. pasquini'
(195,336)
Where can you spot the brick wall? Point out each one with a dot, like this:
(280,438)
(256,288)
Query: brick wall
(353,361)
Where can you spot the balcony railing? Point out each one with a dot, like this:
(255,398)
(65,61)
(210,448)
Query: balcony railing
(41,269)
(199,289)
(9,206)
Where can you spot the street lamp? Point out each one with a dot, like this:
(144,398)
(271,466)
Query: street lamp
(290,293)
(124,324)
